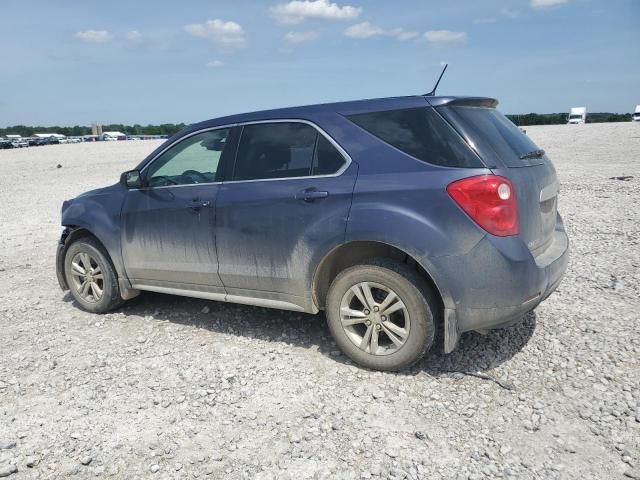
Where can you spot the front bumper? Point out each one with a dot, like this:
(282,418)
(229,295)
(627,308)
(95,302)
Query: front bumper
(499,281)
(60,252)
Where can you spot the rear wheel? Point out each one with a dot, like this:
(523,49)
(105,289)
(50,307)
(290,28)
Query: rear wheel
(91,278)
(381,314)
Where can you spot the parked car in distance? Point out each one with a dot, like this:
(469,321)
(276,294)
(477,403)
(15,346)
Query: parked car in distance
(398,217)
(19,143)
(636,115)
(5,144)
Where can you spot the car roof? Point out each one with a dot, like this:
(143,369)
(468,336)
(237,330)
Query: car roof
(346,108)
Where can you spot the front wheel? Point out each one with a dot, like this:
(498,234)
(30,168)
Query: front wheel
(382,314)
(91,277)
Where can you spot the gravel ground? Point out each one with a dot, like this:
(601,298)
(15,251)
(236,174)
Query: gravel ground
(170,387)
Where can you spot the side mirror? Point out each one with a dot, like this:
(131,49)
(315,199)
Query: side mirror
(131,179)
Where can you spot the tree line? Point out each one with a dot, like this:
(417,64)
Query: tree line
(79,130)
(560,118)
(171,128)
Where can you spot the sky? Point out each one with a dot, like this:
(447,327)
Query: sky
(66,62)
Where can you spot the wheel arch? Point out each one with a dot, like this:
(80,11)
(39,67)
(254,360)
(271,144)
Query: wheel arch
(354,252)
(74,232)
(71,234)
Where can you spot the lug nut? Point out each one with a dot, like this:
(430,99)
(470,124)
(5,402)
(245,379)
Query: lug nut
(383,318)
(375,309)
(367,323)
(366,312)
(378,326)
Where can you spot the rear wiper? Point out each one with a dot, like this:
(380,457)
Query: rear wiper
(533,154)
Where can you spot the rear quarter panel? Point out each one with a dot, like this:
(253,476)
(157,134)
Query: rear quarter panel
(402,201)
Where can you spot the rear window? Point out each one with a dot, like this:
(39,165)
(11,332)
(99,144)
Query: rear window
(493,135)
(421,133)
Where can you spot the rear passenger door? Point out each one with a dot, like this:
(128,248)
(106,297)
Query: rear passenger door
(287,197)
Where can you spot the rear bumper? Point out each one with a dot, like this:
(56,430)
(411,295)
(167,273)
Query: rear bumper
(499,281)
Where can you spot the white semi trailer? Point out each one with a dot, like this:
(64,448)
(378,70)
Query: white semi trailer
(577,115)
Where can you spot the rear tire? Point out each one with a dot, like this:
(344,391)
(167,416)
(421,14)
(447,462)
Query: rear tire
(91,277)
(382,314)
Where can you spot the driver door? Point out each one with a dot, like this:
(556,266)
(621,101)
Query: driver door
(168,236)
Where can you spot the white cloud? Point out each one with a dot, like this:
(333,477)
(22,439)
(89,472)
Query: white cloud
(442,37)
(133,36)
(94,36)
(366,30)
(510,12)
(482,21)
(400,34)
(226,34)
(546,3)
(299,37)
(298,11)
(363,30)
(215,64)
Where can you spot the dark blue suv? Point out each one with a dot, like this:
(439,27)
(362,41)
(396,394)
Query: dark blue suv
(399,217)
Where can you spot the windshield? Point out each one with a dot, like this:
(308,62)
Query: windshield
(575,117)
(492,135)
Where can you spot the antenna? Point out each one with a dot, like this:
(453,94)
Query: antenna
(433,92)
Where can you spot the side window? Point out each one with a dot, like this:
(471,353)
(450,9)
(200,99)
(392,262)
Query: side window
(421,133)
(327,159)
(193,160)
(275,150)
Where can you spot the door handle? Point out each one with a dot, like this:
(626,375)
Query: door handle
(198,204)
(311,194)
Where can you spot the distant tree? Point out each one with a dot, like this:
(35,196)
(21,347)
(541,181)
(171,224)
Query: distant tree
(173,128)
(561,118)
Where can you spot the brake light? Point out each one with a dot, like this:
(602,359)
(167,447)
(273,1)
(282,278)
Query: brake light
(490,201)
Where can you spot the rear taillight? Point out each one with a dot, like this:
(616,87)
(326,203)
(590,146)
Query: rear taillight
(490,200)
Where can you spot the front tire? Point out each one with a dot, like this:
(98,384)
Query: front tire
(382,314)
(91,277)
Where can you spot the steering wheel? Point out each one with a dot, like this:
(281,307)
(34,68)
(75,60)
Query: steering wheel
(160,179)
(198,175)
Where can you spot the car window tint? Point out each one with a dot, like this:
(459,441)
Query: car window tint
(421,133)
(494,135)
(327,159)
(275,150)
(193,160)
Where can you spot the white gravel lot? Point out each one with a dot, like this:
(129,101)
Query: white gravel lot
(170,387)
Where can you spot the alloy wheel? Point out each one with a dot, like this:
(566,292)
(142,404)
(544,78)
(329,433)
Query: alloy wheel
(374,318)
(87,277)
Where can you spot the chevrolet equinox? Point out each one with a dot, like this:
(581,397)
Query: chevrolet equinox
(401,218)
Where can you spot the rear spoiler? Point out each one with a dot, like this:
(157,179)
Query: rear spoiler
(463,102)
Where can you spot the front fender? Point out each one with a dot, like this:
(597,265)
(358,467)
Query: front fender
(100,216)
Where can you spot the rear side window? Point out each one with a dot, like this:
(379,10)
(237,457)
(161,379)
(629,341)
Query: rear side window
(284,150)
(327,159)
(493,134)
(421,133)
